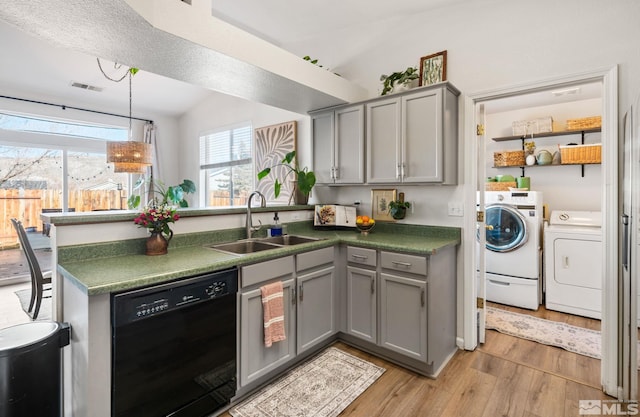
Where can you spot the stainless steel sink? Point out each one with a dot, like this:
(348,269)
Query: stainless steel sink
(244,247)
(287,240)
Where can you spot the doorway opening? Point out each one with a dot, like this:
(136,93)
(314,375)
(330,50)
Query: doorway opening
(556,181)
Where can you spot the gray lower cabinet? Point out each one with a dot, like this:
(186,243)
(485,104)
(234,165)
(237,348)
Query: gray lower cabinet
(256,360)
(309,286)
(361,303)
(403,306)
(316,307)
(403,315)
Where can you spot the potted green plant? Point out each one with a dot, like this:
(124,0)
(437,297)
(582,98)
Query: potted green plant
(303,182)
(398,209)
(161,195)
(389,82)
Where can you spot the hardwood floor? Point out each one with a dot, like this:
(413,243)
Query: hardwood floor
(474,383)
(507,376)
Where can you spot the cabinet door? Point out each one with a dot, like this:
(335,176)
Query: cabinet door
(316,307)
(403,315)
(255,359)
(422,137)
(383,141)
(322,138)
(349,145)
(361,303)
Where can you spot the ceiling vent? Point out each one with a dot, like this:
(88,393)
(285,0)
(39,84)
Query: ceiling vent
(86,86)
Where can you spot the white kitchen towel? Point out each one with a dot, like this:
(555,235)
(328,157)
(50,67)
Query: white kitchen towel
(273,313)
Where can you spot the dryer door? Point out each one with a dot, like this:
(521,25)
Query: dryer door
(507,228)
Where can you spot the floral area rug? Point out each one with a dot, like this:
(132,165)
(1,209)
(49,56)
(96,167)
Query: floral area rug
(321,387)
(572,338)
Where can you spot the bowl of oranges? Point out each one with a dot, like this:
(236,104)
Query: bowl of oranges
(364,224)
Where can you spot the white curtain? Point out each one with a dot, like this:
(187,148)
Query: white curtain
(153,172)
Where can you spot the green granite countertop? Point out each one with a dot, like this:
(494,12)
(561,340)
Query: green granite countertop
(101,275)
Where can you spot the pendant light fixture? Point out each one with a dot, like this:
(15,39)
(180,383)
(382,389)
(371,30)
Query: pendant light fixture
(130,156)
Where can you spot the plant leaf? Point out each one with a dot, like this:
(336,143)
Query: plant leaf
(289,157)
(276,188)
(263,173)
(133,201)
(188,186)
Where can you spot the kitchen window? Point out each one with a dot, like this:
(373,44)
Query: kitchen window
(226,165)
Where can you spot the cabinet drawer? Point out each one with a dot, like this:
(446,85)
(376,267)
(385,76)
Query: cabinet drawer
(264,271)
(361,256)
(315,258)
(405,263)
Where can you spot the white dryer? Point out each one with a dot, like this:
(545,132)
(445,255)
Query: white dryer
(513,257)
(573,262)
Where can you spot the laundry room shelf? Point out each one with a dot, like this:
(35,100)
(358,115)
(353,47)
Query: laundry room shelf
(521,138)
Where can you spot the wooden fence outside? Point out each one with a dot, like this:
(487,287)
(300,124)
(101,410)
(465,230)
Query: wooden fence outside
(27,205)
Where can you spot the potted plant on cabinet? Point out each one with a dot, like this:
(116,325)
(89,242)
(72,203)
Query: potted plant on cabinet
(303,182)
(392,82)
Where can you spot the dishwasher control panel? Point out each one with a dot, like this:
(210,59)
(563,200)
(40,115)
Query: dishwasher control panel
(151,301)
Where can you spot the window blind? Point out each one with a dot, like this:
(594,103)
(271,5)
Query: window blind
(226,148)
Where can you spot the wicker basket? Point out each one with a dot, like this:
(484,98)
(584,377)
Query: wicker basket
(527,127)
(499,186)
(508,158)
(584,123)
(581,154)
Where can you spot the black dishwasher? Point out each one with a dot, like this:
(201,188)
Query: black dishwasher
(174,347)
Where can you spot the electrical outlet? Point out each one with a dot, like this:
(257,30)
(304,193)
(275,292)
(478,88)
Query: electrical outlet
(455,208)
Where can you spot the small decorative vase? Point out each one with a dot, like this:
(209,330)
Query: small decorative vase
(300,198)
(157,244)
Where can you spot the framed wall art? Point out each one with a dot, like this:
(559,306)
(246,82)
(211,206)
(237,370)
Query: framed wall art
(433,68)
(272,144)
(380,200)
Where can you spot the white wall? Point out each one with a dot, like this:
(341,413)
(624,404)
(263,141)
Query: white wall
(491,44)
(221,110)
(167,126)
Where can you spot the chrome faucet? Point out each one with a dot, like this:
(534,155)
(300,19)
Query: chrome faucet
(250,227)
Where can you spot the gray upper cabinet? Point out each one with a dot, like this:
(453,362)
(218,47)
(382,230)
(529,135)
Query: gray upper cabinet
(338,145)
(413,137)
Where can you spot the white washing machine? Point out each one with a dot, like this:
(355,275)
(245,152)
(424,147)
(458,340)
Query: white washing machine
(513,259)
(573,262)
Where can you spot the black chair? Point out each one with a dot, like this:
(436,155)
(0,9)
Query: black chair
(38,278)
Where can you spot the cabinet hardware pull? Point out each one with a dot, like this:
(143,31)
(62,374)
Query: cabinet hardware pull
(293,296)
(335,173)
(402,170)
(504,284)
(301,292)
(398,263)
(398,171)
(373,285)
(359,256)
(422,298)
